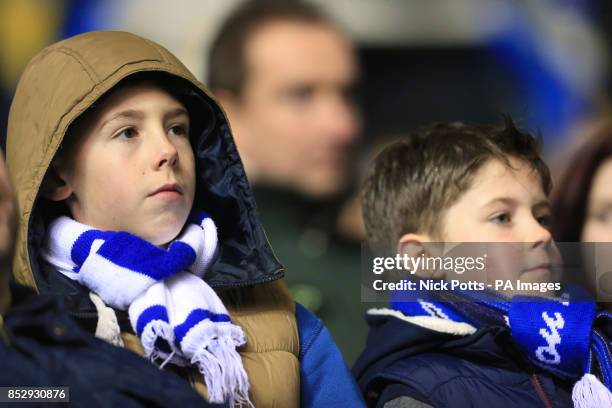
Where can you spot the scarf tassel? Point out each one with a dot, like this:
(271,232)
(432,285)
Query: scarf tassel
(156,331)
(223,372)
(589,392)
(212,348)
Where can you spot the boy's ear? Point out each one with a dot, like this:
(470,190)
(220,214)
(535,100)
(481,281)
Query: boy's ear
(412,244)
(54,186)
(417,245)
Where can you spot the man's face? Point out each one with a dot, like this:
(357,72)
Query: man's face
(295,121)
(131,167)
(507,209)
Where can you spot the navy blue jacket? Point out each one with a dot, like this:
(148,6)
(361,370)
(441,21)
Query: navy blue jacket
(440,369)
(42,347)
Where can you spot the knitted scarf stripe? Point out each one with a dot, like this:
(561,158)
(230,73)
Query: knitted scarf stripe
(159,312)
(131,252)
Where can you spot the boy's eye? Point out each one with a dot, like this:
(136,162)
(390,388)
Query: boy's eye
(127,133)
(179,130)
(545,221)
(502,218)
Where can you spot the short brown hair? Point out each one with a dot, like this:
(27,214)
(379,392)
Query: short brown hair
(413,181)
(227,68)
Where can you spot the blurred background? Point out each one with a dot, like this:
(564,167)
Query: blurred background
(546,62)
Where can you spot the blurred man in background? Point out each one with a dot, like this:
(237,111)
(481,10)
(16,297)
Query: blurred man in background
(286,76)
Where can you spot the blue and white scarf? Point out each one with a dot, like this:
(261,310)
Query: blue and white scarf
(176,315)
(556,334)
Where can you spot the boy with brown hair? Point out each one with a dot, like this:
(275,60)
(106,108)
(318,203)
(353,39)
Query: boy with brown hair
(136,213)
(453,184)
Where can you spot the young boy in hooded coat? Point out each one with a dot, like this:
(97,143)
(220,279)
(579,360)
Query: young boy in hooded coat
(136,214)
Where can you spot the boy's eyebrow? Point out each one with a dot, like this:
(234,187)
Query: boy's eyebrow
(504,200)
(128,113)
(544,204)
(175,113)
(135,114)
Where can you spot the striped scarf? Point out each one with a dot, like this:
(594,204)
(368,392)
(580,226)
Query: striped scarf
(176,315)
(556,334)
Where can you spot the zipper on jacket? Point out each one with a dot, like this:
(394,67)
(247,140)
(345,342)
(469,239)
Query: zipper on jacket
(276,275)
(540,390)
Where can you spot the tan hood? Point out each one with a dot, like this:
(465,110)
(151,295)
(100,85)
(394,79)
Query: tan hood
(63,81)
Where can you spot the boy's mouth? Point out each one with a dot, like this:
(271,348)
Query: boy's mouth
(168,189)
(538,272)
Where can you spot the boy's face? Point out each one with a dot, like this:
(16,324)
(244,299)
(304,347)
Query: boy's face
(505,205)
(502,205)
(132,167)
(505,214)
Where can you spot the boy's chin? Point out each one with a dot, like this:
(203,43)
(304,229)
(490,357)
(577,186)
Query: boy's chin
(163,238)
(163,232)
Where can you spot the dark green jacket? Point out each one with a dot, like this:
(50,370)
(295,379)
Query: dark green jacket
(322,269)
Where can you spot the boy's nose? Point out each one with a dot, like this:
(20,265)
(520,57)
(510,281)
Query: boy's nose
(539,235)
(167,154)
